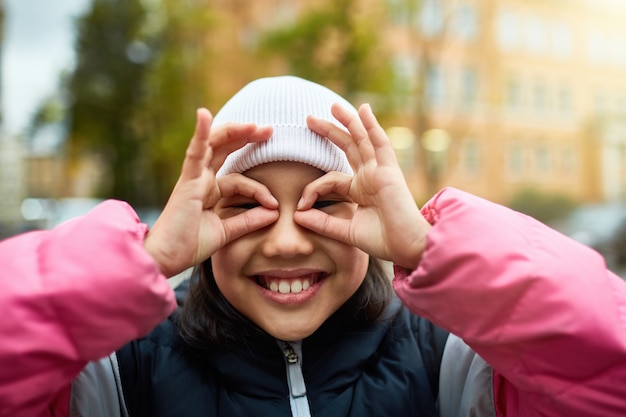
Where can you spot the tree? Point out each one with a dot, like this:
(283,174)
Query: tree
(545,207)
(105,89)
(175,86)
(337,45)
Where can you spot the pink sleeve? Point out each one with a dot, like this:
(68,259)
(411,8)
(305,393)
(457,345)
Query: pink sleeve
(540,308)
(69,296)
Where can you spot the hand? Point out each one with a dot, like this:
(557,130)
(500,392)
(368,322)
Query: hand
(188,231)
(387,223)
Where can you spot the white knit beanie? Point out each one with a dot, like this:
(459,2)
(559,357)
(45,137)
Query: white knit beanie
(284,103)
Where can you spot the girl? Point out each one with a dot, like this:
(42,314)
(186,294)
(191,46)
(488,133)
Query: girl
(291,312)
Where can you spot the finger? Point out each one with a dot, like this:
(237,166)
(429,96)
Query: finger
(232,136)
(379,139)
(248,222)
(238,184)
(324,224)
(339,137)
(355,126)
(198,150)
(332,182)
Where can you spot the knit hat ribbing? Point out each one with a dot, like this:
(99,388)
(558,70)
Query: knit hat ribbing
(284,103)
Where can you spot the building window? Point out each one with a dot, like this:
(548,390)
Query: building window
(618,52)
(561,40)
(542,160)
(406,69)
(513,93)
(465,24)
(600,102)
(435,86)
(540,96)
(568,161)
(471,158)
(515,160)
(508,31)
(469,87)
(597,45)
(564,99)
(431,18)
(535,35)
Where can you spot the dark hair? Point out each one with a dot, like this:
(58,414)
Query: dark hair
(207,318)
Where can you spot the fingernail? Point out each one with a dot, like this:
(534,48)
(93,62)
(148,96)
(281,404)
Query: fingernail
(300,203)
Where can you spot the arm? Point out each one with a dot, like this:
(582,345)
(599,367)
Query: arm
(71,295)
(542,309)
(76,293)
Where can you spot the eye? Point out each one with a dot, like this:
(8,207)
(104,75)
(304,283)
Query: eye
(320,204)
(245,206)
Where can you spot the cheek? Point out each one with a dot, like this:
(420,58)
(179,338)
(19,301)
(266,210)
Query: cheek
(355,263)
(230,259)
(225,268)
(221,265)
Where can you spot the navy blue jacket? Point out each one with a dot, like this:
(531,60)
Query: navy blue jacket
(389,368)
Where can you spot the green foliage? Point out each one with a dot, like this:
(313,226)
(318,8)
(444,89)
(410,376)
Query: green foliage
(105,89)
(174,88)
(135,89)
(335,45)
(51,111)
(143,67)
(544,207)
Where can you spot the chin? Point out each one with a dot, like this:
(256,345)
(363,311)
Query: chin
(291,335)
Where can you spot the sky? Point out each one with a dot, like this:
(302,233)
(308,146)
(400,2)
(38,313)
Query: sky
(38,46)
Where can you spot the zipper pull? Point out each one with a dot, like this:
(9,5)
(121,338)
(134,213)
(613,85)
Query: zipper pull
(294,371)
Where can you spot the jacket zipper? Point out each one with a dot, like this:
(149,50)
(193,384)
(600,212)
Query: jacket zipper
(297,388)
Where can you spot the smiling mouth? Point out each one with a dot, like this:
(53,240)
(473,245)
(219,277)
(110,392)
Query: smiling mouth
(288,285)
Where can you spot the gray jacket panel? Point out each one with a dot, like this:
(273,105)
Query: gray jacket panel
(465,383)
(97,391)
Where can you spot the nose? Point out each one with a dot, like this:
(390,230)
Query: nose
(287,239)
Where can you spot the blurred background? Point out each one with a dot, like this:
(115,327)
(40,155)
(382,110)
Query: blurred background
(522,102)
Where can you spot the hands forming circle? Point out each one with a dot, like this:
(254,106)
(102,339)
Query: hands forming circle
(188,231)
(387,223)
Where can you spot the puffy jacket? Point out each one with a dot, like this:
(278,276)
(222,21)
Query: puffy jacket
(70,296)
(541,309)
(341,370)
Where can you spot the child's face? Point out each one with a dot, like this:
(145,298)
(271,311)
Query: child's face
(285,278)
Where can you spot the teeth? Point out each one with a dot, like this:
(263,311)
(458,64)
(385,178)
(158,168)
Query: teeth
(296,286)
(283,286)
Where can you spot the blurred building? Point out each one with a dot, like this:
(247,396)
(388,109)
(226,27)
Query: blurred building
(519,94)
(43,163)
(11,153)
(493,96)
(11,185)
